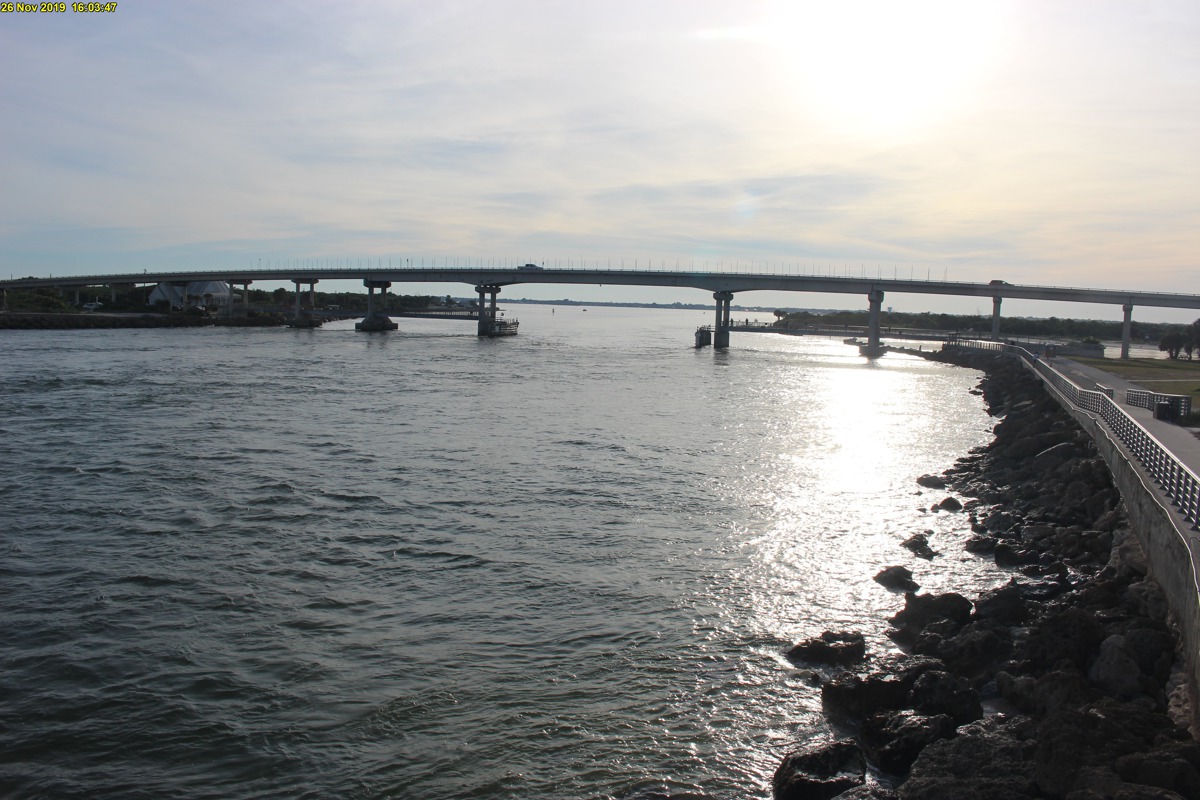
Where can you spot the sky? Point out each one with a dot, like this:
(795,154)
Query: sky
(1040,142)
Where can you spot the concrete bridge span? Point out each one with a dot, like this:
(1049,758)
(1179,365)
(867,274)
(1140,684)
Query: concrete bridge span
(489,281)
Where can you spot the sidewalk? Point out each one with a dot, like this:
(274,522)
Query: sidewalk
(1180,441)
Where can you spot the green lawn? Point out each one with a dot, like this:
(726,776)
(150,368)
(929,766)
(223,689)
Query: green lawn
(1156,374)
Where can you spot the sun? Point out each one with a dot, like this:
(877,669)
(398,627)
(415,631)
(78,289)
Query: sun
(880,66)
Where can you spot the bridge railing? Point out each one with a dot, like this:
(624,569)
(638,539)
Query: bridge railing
(1174,478)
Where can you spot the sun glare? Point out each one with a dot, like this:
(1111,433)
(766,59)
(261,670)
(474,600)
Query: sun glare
(876,67)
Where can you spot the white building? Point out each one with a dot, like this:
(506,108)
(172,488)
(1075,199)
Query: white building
(196,293)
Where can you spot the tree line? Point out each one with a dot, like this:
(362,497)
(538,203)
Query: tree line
(1066,328)
(1180,340)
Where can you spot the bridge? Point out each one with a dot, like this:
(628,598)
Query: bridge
(488,282)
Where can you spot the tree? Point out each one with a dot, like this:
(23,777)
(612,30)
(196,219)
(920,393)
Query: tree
(1172,343)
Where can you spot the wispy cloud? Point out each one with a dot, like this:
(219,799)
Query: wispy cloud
(1065,153)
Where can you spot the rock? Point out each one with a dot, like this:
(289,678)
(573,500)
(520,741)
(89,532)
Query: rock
(976,650)
(1007,555)
(1114,671)
(831,648)
(897,578)
(820,773)
(1053,456)
(937,692)
(866,792)
(922,609)
(1000,521)
(1005,605)
(1070,740)
(1153,650)
(1173,767)
(990,760)
(1146,598)
(918,543)
(980,545)
(1072,634)
(885,688)
(1059,689)
(895,739)
(932,481)
(950,504)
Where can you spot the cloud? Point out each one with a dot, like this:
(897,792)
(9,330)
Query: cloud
(303,130)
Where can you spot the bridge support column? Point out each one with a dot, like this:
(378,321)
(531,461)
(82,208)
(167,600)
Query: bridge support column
(487,307)
(875,301)
(376,320)
(1126,326)
(996,319)
(721,329)
(298,319)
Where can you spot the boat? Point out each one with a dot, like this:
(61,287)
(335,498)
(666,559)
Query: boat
(503,327)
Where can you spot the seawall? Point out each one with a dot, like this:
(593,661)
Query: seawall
(1163,534)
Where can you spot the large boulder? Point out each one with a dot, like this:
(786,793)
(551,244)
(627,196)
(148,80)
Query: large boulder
(819,773)
(897,577)
(885,688)
(894,739)
(989,760)
(936,692)
(1071,634)
(1114,671)
(922,609)
(918,545)
(831,648)
(1099,735)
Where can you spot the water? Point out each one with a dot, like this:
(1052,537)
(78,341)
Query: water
(277,563)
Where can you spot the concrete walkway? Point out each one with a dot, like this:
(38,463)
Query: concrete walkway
(1180,441)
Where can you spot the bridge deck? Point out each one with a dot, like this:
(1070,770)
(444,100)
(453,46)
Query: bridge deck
(707,281)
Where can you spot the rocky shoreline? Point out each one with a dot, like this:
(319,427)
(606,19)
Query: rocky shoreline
(1065,683)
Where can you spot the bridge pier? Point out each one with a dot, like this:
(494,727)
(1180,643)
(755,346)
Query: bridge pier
(721,329)
(298,320)
(487,307)
(229,303)
(376,320)
(1126,325)
(875,301)
(996,318)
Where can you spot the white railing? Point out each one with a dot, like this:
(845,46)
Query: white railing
(1176,480)
(1181,404)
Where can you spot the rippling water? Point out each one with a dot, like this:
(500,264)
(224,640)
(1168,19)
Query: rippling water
(277,563)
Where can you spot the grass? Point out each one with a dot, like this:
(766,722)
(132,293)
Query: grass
(1161,375)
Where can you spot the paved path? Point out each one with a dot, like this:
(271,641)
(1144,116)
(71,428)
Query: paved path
(1180,441)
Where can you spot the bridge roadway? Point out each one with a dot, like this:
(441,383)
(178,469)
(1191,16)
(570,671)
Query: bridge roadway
(489,280)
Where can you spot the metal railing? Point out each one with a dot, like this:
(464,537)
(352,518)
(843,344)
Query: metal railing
(1172,476)
(1181,404)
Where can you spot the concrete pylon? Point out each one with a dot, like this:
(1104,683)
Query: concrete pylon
(875,299)
(376,320)
(721,329)
(487,307)
(1126,326)
(996,318)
